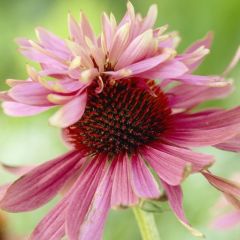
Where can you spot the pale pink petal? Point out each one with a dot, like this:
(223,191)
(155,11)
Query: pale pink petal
(122,192)
(210,81)
(169,168)
(227,221)
(150,19)
(143,183)
(175,199)
(70,112)
(169,69)
(18,109)
(51,42)
(141,66)
(4,96)
(136,50)
(84,189)
(206,42)
(41,184)
(31,93)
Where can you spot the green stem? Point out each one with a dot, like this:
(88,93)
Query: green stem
(146,224)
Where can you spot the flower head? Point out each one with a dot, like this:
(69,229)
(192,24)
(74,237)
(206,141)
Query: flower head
(118,123)
(131,49)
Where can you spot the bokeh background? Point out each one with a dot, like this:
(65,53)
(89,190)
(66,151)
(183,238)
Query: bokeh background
(31,140)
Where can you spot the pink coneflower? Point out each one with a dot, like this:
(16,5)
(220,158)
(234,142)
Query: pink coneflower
(120,125)
(130,49)
(230,217)
(124,132)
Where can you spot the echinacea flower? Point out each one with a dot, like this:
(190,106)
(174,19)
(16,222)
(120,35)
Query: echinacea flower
(69,68)
(119,124)
(230,217)
(125,131)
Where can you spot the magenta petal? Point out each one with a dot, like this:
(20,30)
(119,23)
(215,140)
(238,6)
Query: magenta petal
(70,112)
(84,190)
(143,183)
(122,192)
(41,184)
(51,227)
(18,109)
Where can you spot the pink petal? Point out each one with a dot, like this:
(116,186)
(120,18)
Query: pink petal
(222,184)
(51,227)
(41,184)
(210,81)
(232,144)
(187,96)
(84,189)
(31,93)
(198,161)
(143,183)
(122,192)
(70,112)
(17,170)
(170,69)
(51,42)
(200,137)
(169,168)
(136,50)
(206,42)
(93,224)
(18,109)
(175,198)
(150,19)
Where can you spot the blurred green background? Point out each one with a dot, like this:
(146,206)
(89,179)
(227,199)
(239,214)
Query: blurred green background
(31,140)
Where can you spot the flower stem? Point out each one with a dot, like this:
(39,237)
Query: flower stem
(146,224)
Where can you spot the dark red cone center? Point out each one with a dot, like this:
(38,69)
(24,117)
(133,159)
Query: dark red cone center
(120,119)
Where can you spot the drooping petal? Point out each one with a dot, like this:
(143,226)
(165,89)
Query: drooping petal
(70,112)
(223,185)
(198,161)
(93,224)
(168,167)
(122,192)
(52,227)
(41,184)
(175,198)
(84,189)
(143,183)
